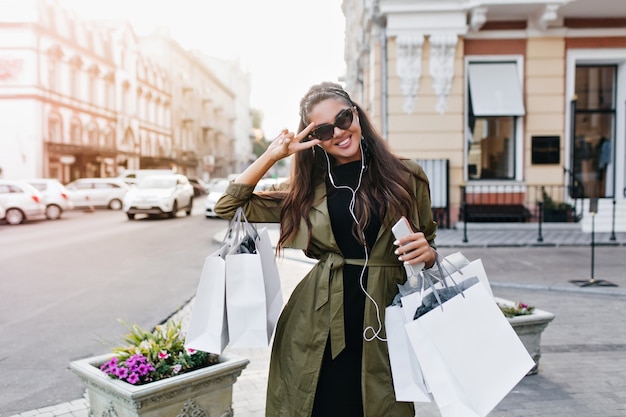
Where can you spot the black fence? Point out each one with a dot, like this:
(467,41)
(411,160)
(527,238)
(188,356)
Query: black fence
(518,203)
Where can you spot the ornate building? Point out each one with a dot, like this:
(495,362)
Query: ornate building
(517,95)
(90,99)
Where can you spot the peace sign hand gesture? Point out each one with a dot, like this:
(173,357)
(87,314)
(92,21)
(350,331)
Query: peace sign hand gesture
(287,143)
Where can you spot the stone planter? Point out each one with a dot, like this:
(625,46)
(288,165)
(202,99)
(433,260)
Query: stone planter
(529,329)
(205,392)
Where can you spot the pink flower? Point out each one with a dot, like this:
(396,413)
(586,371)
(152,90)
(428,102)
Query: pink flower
(133,378)
(163,355)
(176,368)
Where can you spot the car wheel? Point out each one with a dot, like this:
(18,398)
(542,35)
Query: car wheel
(14,216)
(172,213)
(115,204)
(53,212)
(189,207)
(131,216)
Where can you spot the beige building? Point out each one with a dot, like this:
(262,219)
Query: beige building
(524,99)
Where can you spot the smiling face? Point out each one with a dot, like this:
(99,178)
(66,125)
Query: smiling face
(345,145)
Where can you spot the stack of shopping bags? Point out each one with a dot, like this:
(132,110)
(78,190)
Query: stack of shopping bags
(450,343)
(239,297)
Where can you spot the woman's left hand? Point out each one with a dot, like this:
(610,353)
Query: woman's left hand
(414,248)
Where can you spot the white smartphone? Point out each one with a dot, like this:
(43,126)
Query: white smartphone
(401,229)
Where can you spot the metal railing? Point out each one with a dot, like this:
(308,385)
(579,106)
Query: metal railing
(520,203)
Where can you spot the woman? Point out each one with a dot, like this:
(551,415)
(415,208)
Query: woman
(346,190)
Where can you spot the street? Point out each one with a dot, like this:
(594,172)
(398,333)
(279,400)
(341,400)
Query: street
(64,284)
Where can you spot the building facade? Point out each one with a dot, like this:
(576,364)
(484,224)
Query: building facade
(525,99)
(91,99)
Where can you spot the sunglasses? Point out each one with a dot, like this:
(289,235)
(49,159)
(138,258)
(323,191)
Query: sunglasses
(326,131)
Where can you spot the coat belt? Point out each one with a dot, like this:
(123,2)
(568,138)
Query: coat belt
(330,291)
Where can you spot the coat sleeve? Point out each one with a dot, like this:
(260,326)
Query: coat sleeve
(258,208)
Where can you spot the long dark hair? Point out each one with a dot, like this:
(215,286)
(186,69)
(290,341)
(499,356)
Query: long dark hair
(385,180)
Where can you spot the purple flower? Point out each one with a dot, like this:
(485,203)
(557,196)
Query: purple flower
(133,378)
(122,372)
(142,369)
(176,368)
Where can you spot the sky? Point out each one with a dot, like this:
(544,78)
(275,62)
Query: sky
(286,45)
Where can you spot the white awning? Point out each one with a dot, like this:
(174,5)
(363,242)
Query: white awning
(495,89)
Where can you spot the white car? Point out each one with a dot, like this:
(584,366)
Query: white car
(133,176)
(159,194)
(97,192)
(20,201)
(216,191)
(55,196)
(265,183)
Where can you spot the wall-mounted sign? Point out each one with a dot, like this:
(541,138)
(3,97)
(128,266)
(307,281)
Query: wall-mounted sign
(546,150)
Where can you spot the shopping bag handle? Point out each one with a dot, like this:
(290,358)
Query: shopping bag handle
(238,228)
(443,276)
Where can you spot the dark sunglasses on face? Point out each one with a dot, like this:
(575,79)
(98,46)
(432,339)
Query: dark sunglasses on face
(326,131)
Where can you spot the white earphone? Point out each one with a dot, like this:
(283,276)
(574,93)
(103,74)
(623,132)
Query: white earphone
(375,332)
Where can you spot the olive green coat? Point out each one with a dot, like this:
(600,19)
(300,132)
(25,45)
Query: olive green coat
(314,311)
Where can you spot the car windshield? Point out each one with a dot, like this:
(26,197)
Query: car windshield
(157,182)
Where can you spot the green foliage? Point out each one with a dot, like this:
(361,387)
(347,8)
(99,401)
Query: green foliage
(151,356)
(550,204)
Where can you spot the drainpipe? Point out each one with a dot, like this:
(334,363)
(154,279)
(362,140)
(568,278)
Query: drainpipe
(383,70)
(381,23)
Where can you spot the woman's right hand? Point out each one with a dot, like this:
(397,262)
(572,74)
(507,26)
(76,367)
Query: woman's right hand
(287,143)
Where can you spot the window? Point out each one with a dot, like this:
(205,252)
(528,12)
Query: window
(594,118)
(92,135)
(75,132)
(53,73)
(495,103)
(55,129)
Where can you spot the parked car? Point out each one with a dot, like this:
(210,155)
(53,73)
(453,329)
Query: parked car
(133,176)
(97,192)
(265,183)
(199,187)
(159,194)
(217,189)
(20,201)
(55,196)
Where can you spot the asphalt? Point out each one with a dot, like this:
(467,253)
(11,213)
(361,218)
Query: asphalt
(575,275)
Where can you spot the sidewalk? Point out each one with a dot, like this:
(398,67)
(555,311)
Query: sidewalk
(583,367)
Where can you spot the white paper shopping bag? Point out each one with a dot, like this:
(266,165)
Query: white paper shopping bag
(208,328)
(408,381)
(253,294)
(470,356)
(271,280)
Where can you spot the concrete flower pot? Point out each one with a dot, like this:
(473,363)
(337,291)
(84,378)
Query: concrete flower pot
(529,329)
(205,392)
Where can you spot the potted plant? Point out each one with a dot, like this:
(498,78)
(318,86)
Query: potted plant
(152,374)
(556,211)
(529,323)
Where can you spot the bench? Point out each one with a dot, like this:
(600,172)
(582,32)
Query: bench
(483,213)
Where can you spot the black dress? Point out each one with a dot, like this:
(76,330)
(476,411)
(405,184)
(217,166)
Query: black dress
(339,386)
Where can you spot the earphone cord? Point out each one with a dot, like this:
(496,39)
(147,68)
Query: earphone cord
(375,332)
